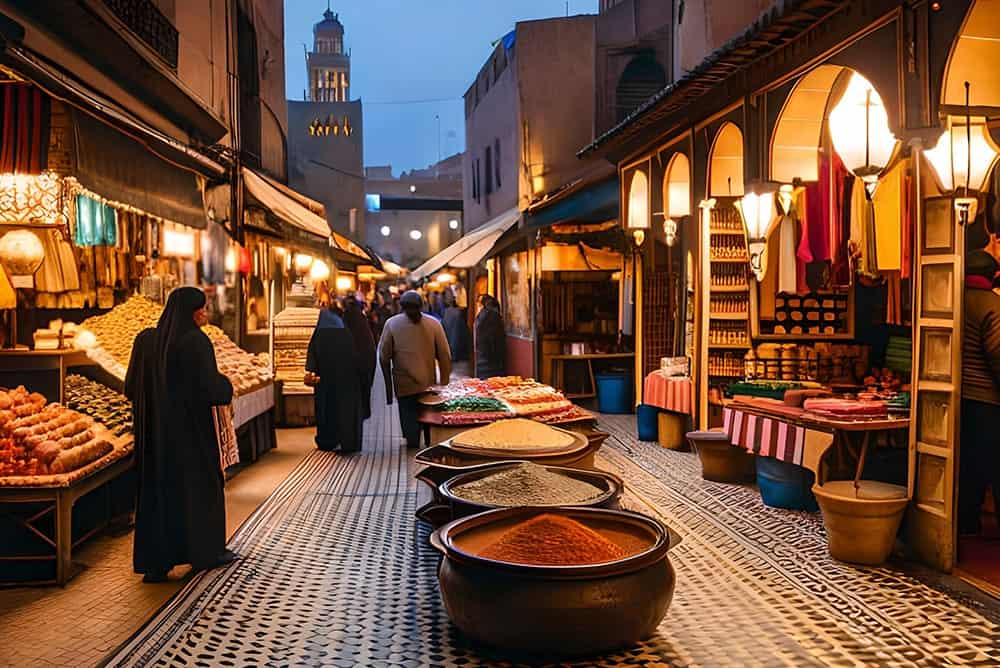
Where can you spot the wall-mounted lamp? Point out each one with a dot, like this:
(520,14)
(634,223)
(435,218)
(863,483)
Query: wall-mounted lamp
(962,160)
(859,129)
(756,209)
(638,207)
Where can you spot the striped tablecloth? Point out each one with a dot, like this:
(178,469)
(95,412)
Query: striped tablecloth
(671,393)
(764,436)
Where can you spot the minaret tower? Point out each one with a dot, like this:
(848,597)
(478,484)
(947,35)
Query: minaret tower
(328,63)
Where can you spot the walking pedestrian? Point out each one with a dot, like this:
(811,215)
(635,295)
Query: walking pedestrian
(173,383)
(491,339)
(980,460)
(455,328)
(412,345)
(364,346)
(334,371)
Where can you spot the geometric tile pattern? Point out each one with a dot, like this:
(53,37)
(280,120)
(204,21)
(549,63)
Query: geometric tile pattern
(336,572)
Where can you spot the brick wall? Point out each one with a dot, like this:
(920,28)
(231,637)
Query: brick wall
(60,139)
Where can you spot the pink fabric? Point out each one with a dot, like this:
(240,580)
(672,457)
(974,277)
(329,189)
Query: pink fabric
(669,394)
(818,201)
(764,436)
(803,255)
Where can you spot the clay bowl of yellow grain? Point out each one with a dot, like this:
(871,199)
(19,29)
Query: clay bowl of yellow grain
(556,581)
(529,484)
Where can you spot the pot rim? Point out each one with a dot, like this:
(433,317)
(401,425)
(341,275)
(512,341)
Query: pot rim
(616,486)
(426,457)
(665,540)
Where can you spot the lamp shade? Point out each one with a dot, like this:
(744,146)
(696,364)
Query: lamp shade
(21,252)
(757,212)
(951,160)
(303,262)
(638,202)
(859,129)
(344,283)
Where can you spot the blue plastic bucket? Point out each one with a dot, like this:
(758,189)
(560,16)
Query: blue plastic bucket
(614,393)
(784,485)
(647,419)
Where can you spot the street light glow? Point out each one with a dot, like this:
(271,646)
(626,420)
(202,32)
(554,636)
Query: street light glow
(415,235)
(385,231)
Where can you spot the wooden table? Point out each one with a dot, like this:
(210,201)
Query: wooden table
(805,439)
(61,500)
(558,370)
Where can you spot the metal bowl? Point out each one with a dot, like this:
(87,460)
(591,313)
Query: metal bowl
(611,485)
(564,610)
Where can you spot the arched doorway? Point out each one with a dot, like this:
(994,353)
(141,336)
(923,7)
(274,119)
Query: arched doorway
(725,163)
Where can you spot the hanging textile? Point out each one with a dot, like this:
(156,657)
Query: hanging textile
(863,231)
(24,138)
(909,209)
(894,298)
(95,223)
(786,255)
(769,285)
(888,205)
(818,201)
(58,272)
(8,298)
(803,254)
(842,268)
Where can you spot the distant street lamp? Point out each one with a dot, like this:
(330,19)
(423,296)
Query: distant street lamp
(386,231)
(453,224)
(415,235)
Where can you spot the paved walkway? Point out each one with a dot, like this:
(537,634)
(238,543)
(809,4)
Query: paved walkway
(337,573)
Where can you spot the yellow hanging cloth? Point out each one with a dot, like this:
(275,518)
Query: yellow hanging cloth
(8,298)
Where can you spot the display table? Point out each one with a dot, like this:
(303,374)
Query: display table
(772,429)
(250,405)
(558,370)
(669,393)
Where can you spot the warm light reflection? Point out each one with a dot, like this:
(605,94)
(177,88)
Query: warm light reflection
(859,129)
(950,156)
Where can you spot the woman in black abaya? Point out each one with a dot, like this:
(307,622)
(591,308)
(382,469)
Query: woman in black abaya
(364,344)
(173,382)
(334,364)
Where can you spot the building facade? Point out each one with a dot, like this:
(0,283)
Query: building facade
(325,133)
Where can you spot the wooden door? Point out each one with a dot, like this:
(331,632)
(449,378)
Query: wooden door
(937,381)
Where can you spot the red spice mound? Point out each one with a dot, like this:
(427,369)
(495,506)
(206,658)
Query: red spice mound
(553,540)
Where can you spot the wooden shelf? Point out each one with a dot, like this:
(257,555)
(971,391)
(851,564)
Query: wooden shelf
(804,337)
(730,288)
(729,346)
(723,375)
(729,260)
(728,316)
(722,231)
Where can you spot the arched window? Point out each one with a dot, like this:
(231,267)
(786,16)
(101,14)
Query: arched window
(642,78)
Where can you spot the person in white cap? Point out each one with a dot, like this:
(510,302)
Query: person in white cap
(414,355)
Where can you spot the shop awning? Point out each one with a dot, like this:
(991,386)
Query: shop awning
(293,210)
(121,169)
(582,202)
(470,249)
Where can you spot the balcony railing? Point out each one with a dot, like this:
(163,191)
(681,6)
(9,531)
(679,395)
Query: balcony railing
(146,20)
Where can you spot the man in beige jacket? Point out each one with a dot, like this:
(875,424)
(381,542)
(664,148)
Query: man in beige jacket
(412,352)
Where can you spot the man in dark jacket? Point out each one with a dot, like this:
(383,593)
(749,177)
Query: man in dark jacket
(491,339)
(980,453)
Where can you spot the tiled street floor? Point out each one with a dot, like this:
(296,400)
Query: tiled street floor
(337,573)
(106,602)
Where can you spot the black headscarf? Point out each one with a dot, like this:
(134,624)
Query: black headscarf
(176,320)
(981,263)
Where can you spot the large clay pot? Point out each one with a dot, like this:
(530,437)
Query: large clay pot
(721,461)
(564,610)
(610,483)
(861,524)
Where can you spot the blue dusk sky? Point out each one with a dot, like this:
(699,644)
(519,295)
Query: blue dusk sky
(412,60)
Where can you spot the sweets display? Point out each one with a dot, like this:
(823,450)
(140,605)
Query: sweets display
(38,438)
(513,396)
(293,328)
(113,410)
(108,339)
(553,540)
(515,435)
(527,484)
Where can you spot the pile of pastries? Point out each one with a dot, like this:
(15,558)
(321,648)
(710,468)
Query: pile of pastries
(113,410)
(244,370)
(39,438)
(293,328)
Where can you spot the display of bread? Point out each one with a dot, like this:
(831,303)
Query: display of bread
(293,328)
(40,438)
(515,435)
(108,341)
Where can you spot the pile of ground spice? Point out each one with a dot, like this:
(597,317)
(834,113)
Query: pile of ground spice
(553,540)
(527,485)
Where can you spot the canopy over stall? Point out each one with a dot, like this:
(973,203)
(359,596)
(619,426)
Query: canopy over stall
(470,249)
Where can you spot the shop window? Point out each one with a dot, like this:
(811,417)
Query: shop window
(643,77)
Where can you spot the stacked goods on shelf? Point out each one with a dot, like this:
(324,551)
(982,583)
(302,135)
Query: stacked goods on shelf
(113,410)
(293,328)
(56,336)
(729,300)
(108,340)
(504,397)
(815,314)
(899,354)
(47,439)
(834,363)
(847,409)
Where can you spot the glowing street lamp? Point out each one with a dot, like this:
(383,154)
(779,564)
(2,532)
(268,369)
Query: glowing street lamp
(864,152)
(756,209)
(962,159)
(638,207)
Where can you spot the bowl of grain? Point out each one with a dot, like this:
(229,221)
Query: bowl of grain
(571,581)
(515,484)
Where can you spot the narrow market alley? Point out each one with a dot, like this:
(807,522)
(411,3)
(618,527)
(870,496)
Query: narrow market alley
(336,571)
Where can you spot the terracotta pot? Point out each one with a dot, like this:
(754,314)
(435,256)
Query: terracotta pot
(721,461)
(861,529)
(610,483)
(568,610)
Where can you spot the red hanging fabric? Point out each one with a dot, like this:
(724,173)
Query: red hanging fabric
(8,132)
(24,137)
(818,201)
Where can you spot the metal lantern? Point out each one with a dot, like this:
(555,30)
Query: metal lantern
(638,207)
(757,212)
(859,129)
(21,252)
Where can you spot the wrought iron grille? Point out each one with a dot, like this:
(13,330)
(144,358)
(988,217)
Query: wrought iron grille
(146,20)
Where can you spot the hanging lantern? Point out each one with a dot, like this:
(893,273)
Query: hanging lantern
(859,129)
(344,283)
(319,271)
(303,262)
(962,160)
(21,252)
(230,261)
(246,264)
(757,212)
(638,207)
(670,231)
